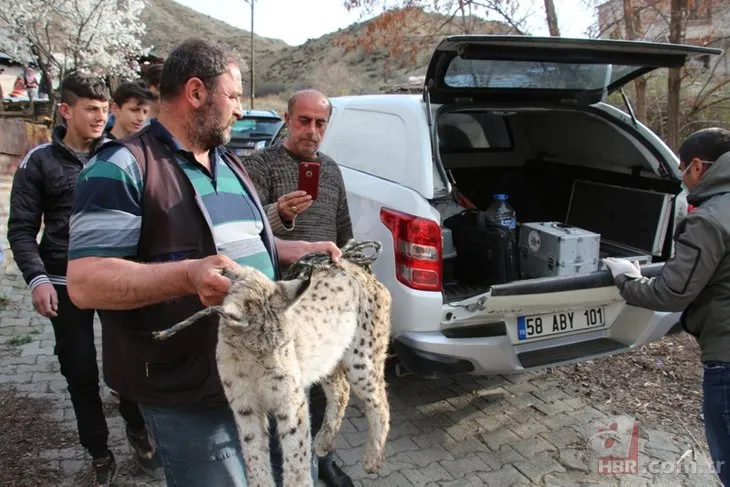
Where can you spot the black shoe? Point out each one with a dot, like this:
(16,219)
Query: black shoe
(104,470)
(332,474)
(144,449)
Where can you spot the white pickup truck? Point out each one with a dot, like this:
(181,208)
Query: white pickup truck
(523,116)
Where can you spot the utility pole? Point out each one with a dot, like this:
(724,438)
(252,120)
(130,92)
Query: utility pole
(251,83)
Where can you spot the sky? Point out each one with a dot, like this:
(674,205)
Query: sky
(296,21)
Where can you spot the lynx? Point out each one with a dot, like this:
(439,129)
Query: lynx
(275,339)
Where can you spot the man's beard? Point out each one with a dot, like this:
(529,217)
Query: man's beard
(206,131)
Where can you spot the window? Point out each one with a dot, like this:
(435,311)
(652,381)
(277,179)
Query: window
(256,127)
(373,142)
(705,60)
(469,131)
(546,75)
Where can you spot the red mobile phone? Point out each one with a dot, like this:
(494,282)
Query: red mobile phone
(309,178)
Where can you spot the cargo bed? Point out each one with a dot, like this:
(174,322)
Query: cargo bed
(629,205)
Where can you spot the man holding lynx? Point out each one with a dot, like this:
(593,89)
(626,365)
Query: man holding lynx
(157,218)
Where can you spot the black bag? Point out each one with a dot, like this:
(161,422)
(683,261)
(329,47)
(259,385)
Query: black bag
(486,253)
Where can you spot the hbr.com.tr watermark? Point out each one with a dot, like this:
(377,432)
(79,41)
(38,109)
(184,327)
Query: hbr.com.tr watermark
(618,466)
(617,443)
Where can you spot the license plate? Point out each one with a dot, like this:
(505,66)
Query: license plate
(242,152)
(540,326)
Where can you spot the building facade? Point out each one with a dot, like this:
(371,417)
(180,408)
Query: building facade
(704,23)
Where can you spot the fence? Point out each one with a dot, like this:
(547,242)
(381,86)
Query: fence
(17,137)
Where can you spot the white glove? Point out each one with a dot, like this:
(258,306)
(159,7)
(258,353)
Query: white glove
(623,266)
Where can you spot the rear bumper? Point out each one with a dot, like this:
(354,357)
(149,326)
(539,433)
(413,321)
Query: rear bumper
(427,364)
(432,354)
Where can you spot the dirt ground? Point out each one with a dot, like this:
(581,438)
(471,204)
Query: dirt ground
(659,384)
(25,433)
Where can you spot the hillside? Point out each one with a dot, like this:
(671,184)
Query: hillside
(336,63)
(328,64)
(169,23)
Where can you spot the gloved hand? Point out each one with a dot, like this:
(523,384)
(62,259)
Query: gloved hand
(623,266)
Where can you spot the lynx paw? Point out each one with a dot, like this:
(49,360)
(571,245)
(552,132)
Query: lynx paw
(322,444)
(373,459)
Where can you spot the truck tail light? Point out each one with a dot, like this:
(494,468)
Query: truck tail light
(418,249)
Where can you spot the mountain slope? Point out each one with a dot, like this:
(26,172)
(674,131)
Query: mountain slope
(339,62)
(169,23)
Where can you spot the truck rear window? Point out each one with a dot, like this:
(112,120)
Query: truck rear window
(530,75)
(472,131)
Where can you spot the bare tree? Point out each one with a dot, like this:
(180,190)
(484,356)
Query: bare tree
(702,87)
(674,82)
(552,18)
(632,22)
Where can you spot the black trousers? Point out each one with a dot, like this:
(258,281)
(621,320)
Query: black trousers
(74,331)
(317,407)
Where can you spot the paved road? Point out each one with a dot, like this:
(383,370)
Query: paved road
(496,431)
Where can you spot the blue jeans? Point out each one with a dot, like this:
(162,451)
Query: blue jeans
(200,448)
(716,409)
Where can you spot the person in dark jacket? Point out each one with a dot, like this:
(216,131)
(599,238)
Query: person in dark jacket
(43,191)
(131,103)
(295,216)
(696,280)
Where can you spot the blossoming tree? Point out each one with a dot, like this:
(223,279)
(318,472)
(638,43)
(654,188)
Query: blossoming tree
(98,36)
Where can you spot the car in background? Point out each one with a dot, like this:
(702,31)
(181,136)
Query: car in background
(254,131)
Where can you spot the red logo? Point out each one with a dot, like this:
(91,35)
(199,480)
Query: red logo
(617,442)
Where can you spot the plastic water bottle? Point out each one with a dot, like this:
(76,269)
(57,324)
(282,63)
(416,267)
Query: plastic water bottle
(502,213)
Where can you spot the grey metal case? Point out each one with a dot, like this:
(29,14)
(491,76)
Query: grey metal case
(556,249)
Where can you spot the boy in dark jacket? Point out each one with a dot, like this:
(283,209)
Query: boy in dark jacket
(131,104)
(43,190)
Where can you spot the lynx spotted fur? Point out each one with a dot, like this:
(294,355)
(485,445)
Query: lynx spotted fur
(275,339)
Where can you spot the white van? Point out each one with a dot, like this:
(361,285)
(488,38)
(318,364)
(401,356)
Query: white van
(523,116)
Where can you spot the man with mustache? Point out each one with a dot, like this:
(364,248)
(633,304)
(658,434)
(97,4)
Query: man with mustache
(294,214)
(157,218)
(131,104)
